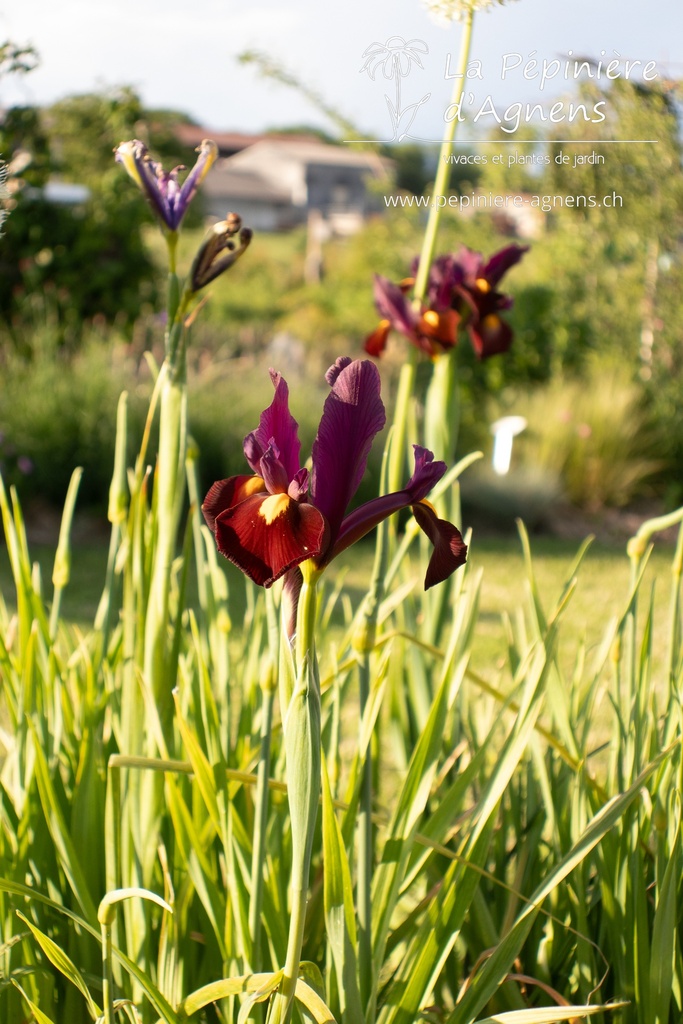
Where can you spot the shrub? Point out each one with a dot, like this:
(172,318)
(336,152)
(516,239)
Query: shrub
(595,435)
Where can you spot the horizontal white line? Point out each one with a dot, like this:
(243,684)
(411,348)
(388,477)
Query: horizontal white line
(517,142)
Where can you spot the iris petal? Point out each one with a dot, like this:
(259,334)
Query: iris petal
(267,535)
(501,262)
(450,550)
(353,415)
(376,342)
(358,523)
(490,336)
(226,493)
(392,305)
(279,426)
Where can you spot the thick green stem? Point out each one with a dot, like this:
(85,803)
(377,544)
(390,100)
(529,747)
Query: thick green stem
(301,726)
(392,480)
(404,396)
(168,504)
(107,976)
(260,827)
(365,848)
(408,372)
(261,809)
(365,644)
(442,413)
(444,166)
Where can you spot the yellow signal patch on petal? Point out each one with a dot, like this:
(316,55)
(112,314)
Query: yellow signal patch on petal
(273,507)
(431,317)
(483,285)
(428,504)
(491,322)
(252,485)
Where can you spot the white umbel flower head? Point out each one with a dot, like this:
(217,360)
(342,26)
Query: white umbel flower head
(446,11)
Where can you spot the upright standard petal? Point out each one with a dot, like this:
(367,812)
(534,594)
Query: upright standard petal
(148,176)
(208,152)
(168,199)
(277,426)
(501,262)
(352,417)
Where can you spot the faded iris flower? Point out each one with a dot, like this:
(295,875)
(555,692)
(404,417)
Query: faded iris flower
(461,293)
(270,522)
(162,190)
(219,251)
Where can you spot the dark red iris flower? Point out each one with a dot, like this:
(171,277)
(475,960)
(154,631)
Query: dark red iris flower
(461,293)
(270,521)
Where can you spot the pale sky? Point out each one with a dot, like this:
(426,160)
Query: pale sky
(183,55)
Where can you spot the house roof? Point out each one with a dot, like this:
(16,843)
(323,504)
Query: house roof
(192,135)
(308,152)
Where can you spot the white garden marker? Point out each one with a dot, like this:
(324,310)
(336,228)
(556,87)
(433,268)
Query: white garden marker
(503,431)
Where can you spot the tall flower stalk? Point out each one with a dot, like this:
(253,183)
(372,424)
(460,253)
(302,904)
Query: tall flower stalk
(406,390)
(153,526)
(284,522)
(169,201)
(301,726)
(406,387)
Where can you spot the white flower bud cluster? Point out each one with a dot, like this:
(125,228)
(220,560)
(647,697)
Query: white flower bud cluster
(446,11)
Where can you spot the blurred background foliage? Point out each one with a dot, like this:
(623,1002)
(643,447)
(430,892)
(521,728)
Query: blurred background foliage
(598,310)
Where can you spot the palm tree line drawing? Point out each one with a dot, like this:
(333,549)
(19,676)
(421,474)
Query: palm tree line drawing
(396,57)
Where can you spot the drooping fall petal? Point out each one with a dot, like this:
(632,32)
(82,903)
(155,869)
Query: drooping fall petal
(352,416)
(376,342)
(267,535)
(489,335)
(393,305)
(450,550)
(226,493)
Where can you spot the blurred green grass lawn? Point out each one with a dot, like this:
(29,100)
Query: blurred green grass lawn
(601,592)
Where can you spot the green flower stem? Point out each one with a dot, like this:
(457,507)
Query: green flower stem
(107,974)
(392,480)
(404,396)
(407,381)
(442,411)
(262,785)
(444,167)
(301,725)
(168,503)
(442,414)
(168,498)
(364,643)
(365,846)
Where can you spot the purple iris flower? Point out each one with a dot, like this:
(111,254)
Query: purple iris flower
(461,292)
(270,522)
(167,197)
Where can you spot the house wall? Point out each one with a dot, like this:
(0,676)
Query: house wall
(336,189)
